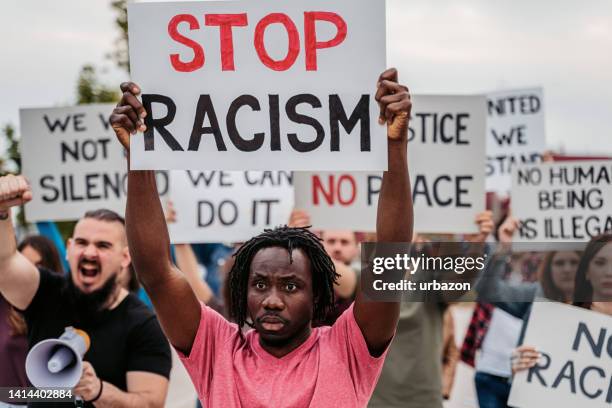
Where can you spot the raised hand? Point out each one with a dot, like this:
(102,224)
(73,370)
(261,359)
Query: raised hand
(14,191)
(395,105)
(485,223)
(128,117)
(507,229)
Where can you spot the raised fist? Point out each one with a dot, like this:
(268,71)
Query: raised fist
(128,117)
(395,105)
(14,191)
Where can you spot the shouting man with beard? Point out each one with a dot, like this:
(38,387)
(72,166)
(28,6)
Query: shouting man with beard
(129,361)
(281,281)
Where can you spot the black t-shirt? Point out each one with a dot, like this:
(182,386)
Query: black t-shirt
(127,338)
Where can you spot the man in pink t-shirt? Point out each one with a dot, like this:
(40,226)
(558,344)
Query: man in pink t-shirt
(281,281)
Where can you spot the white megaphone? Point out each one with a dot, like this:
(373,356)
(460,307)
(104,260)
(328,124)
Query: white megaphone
(58,363)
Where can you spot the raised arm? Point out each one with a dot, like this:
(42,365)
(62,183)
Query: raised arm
(394,221)
(187,262)
(19,279)
(176,305)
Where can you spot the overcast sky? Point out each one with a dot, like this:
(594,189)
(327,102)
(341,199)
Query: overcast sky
(442,46)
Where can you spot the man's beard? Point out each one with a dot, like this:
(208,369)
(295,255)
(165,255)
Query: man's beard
(90,306)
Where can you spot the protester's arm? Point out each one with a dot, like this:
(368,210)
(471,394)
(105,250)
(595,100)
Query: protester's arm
(19,279)
(491,286)
(187,262)
(474,246)
(512,298)
(394,222)
(176,304)
(143,389)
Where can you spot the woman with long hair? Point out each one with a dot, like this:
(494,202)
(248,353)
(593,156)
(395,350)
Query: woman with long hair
(557,274)
(13,330)
(41,252)
(594,277)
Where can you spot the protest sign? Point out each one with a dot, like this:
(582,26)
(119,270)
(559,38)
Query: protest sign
(245,85)
(73,162)
(223,206)
(515,134)
(562,202)
(576,365)
(446,151)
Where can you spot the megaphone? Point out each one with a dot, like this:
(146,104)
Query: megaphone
(58,363)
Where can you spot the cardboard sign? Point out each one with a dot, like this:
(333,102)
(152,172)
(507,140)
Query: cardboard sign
(264,85)
(73,162)
(576,365)
(222,206)
(562,202)
(446,153)
(515,134)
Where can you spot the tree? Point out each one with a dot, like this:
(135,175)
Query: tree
(120,54)
(10,162)
(89,89)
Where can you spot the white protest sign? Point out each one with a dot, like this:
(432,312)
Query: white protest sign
(73,162)
(223,206)
(515,134)
(446,151)
(576,365)
(264,85)
(563,201)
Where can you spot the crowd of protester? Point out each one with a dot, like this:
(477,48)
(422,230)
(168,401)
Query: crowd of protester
(322,346)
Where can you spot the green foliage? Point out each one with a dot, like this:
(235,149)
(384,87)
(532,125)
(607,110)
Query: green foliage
(89,89)
(120,54)
(10,162)
(65,229)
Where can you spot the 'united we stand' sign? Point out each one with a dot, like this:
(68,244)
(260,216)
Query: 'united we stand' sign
(262,85)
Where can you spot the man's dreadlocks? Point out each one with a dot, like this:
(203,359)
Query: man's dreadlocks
(324,274)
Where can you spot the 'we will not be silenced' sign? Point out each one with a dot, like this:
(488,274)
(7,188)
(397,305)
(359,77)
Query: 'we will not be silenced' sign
(73,162)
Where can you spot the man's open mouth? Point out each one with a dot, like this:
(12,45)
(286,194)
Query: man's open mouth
(89,269)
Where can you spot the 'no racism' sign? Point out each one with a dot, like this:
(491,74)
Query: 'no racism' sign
(576,365)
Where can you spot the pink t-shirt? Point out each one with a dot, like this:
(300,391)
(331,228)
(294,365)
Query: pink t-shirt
(332,368)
